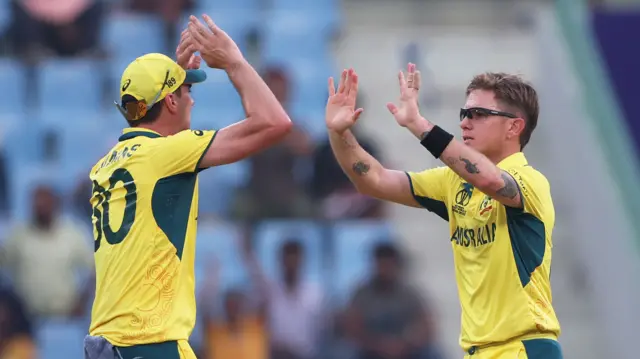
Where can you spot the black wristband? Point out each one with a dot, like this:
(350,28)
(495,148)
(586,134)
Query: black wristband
(436,141)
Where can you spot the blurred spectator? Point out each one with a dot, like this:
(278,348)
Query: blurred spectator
(294,306)
(80,200)
(239,331)
(16,337)
(386,318)
(275,189)
(331,187)
(4,186)
(61,27)
(171,12)
(43,258)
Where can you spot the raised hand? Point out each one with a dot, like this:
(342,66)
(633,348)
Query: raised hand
(407,110)
(217,48)
(340,113)
(185,53)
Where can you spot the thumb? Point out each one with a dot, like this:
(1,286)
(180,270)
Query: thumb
(392,108)
(356,115)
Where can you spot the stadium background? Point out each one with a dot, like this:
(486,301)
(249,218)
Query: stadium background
(57,117)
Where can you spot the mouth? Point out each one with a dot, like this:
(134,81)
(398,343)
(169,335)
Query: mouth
(466,139)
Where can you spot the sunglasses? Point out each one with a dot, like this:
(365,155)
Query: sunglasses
(483,112)
(136,110)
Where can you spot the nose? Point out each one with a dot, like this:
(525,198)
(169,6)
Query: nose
(465,124)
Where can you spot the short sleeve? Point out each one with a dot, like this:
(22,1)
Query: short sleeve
(430,189)
(182,152)
(534,190)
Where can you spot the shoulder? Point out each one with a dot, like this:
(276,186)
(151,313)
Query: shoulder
(529,178)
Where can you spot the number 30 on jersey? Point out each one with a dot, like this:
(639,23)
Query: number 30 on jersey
(101,209)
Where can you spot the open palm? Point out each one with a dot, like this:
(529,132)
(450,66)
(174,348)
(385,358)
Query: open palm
(340,113)
(407,110)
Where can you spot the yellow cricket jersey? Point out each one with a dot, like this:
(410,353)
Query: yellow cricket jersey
(145,205)
(502,255)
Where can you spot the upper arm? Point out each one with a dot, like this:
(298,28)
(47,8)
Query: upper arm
(429,189)
(393,186)
(182,152)
(241,140)
(533,190)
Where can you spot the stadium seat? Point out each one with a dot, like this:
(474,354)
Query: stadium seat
(288,36)
(80,147)
(218,186)
(217,94)
(236,18)
(70,85)
(23,141)
(5,15)
(271,235)
(220,242)
(58,338)
(353,242)
(13,75)
(128,36)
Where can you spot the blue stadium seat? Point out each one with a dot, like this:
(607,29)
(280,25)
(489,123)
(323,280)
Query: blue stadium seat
(218,186)
(287,35)
(236,18)
(23,141)
(12,74)
(271,235)
(81,146)
(353,242)
(128,36)
(5,15)
(217,94)
(59,339)
(220,242)
(70,85)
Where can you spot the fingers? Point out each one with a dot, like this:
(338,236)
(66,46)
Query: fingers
(352,91)
(332,88)
(392,108)
(194,62)
(212,26)
(349,82)
(197,30)
(185,41)
(417,81)
(343,80)
(402,81)
(356,114)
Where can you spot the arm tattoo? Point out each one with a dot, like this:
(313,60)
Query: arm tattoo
(451,161)
(510,189)
(469,166)
(424,135)
(361,168)
(349,144)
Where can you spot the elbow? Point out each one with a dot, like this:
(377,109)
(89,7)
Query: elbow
(490,185)
(279,127)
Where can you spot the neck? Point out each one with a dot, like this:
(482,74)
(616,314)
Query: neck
(160,127)
(501,156)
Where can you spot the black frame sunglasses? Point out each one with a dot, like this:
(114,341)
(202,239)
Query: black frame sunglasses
(469,112)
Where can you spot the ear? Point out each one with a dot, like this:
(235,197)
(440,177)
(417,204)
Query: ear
(517,127)
(170,101)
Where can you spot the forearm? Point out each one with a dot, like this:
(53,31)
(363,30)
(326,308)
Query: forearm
(361,168)
(471,165)
(258,101)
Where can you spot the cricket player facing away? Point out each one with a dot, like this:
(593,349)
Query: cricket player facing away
(499,208)
(145,194)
